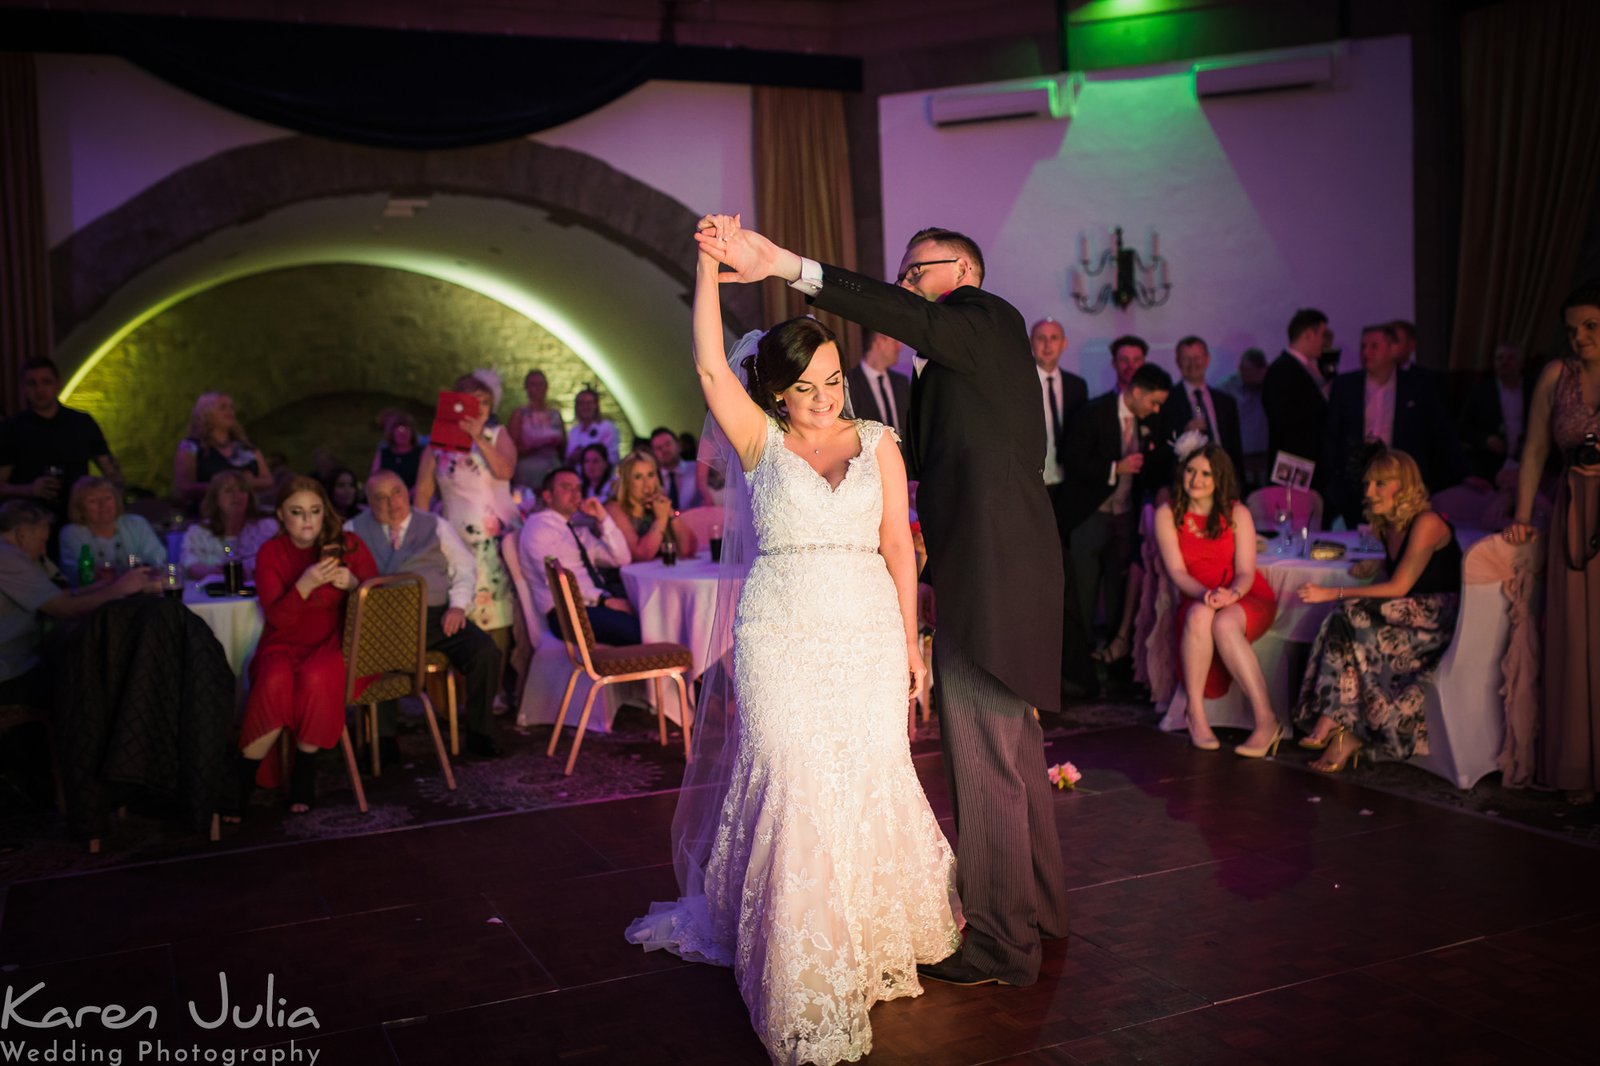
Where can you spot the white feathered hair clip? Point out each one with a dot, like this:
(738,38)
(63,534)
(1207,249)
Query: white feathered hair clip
(1189,443)
(491,381)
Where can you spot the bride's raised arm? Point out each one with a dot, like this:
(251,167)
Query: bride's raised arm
(741,420)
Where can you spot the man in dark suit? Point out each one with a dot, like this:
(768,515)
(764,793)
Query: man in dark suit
(1495,419)
(1292,395)
(1380,405)
(1064,394)
(995,567)
(1194,404)
(1109,445)
(879,392)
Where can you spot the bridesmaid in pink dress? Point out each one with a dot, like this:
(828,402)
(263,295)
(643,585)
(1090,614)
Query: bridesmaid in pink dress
(1208,543)
(1565,411)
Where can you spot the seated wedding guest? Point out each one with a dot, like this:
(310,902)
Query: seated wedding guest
(678,478)
(406,541)
(216,442)
(1497,411)
(228,513)
(99,524)
(400,450)
(1564,427)
(474,490)
(644,512)
(589,428)
(303,577)
(27,590)
(344,492)
(47,447)
(583,545)
(1374,659)
(1208,543)
(538,432)
(1380,407)
(1244,385)
(597,473)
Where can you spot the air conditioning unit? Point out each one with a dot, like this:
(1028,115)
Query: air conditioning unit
(1302,70)
(1039,99)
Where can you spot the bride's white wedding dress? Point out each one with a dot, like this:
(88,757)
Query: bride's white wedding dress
(829,879)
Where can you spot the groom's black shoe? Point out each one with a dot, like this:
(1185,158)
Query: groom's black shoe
(952,971)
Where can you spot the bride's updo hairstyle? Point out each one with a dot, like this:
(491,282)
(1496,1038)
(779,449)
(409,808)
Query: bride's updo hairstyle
(781,356)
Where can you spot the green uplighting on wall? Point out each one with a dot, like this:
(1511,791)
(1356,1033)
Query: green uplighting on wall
(1112,34)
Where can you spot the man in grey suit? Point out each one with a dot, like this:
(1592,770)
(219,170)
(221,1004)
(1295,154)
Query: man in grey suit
(997,584)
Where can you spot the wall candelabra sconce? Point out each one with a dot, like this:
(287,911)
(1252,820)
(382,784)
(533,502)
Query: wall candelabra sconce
(1135,281)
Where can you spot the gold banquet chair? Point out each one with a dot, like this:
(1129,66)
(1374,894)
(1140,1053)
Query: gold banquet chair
(385,638)
(606,665)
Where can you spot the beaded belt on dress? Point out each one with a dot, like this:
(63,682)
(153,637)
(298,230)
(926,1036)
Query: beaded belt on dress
(796,549)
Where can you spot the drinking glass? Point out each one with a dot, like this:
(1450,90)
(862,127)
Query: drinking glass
(1283,521)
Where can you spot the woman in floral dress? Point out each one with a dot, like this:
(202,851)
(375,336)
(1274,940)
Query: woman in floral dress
(1374,660)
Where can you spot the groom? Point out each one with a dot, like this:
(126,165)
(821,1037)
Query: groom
(994,561)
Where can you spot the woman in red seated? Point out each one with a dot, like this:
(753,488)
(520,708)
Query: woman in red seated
(303,576)
(1208,543)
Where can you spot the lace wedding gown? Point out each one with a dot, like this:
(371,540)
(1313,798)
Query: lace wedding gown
(829,879)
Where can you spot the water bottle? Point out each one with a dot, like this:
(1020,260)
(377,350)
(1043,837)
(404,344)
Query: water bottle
(669,547)
(173,586)
(85,566)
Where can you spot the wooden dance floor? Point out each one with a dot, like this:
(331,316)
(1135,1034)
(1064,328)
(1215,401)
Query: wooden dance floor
(1224,911)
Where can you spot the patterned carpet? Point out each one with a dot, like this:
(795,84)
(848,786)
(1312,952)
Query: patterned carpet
(626,762)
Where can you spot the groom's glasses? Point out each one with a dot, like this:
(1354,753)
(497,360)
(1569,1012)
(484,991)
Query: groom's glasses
(913,272)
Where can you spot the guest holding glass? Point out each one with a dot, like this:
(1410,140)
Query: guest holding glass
(229,515)
(643,512)
(1374,659)
(216,442)
(1565,413)
(597,477)
(112,537)
(538,432)
(297,677)
(400,450)
(589,428)
(474,489)
(1208,543)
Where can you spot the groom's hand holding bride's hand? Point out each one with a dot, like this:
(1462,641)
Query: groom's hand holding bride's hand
(749,255)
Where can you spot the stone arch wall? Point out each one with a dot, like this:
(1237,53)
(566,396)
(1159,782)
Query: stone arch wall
(311,354)
(243,183)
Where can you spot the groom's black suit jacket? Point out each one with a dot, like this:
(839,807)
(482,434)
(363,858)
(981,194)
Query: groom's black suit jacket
(977,447)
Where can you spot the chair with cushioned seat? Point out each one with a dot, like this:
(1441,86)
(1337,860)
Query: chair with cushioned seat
(385,640)
(606,665)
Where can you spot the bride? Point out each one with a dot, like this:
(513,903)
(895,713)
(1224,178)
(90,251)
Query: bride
(812,865)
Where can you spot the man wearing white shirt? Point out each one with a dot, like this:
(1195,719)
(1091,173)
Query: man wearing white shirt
(404,540)
(1194,404)
(583,547)
(1293,396)
(678,478)
(877,391)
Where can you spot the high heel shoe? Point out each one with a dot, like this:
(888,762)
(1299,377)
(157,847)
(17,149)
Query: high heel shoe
(1311,743)
(1352,757)
(1210,744)
(1269,748)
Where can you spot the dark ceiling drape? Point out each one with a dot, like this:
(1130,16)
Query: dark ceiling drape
(401,88)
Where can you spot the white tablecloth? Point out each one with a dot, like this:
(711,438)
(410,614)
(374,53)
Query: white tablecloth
(236,620)
(675,603)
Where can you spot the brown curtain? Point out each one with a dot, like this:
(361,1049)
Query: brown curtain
(803,200)
(1530,105)
(24,265)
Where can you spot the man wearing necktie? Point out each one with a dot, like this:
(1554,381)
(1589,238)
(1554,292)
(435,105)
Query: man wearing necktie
(1063,395)
(877,391)
(583,538)
(677,473)
(1196,405)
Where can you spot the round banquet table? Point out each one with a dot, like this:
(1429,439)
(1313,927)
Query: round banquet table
(236,620)
(675,603)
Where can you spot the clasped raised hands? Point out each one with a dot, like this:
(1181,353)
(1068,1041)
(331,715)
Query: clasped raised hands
(747,254)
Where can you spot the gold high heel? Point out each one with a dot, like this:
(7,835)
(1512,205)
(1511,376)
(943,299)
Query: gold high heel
(1311,743)
(1352,757)
(1270,748)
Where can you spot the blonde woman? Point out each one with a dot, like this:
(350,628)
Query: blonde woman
(228,512)
(1373,661)
(98,522)
(643,511)
(216,442)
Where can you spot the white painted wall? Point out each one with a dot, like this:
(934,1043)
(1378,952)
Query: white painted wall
(1264,203)
(108,131)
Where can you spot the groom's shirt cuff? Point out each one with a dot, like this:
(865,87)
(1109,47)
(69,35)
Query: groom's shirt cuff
(809,282)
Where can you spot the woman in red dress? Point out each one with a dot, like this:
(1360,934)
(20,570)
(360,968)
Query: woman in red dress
(1208,543)
(303,576)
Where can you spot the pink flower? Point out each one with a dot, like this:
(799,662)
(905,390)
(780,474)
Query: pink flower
(1064,775)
